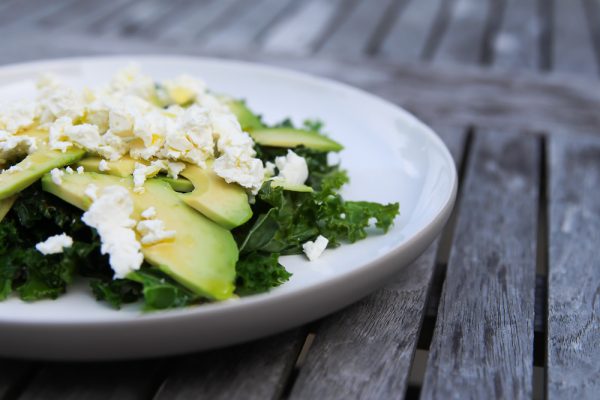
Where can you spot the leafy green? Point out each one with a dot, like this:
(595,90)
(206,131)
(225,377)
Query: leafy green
(117,292)
(160,292)
(258,272)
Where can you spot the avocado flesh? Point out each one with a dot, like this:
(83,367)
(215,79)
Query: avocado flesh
(290,137)
(292,188)
(247,119)
(202,256)
(35,165)
(225,203)
(6,205)
(178,184)
(122,167)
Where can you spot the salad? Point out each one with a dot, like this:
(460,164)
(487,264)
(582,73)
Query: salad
(164,193)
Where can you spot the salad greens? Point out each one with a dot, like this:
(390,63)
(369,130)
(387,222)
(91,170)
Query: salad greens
(282,221)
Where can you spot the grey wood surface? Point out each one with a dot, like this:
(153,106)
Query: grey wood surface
(574,270)
(483,339)
(365,351)
(482,346)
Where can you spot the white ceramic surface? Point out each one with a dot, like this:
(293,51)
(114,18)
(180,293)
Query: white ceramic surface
(390,155)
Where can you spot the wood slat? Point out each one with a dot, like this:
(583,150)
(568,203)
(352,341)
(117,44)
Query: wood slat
(94,381)
(13,373)
(300,31)
(247,28)
(258,370)
(483,339)
(572,50)
(463,41)
(517,44)
(352,36)
(409,34)
(574,269)
(365,351)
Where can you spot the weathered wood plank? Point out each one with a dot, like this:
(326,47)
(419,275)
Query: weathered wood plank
(299,32)
(409,34)
(574,269)
(91,381)
(352,36)
(573,50)
(258,370)
(517,44)
(365,351)
(463,41)
(247,28)
(483,340)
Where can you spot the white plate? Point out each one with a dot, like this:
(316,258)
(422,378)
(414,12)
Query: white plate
(390,155)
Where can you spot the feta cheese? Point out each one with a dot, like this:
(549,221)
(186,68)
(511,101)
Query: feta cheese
(54,244)
(313,250)
(292,168)
(174,169)
(142,171)
(149,213)
(110,215)
(57,175)
(56,100)
(12,147)
(80,170)
(184,89)
(153,231)
(269,169)
(16,117)
(103,166)
(91,191)
(69,170)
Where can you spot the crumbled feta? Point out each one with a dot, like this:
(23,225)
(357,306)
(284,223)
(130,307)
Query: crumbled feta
(91,191)
(103,166)
(56,100)
(269,169)
(110,214)
(12,147)
(313,250)
(153,231)
(292,168)
(80,170)
(69,170)
(174,169)
(57,175)
(54,244)
(142,171)
(184,89)
(16,117)
(149,213)
(13,169)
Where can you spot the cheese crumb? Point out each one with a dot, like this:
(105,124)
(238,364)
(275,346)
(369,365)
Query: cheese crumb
(153,231)
(54,244)
(91,191)
(110,214)
(80,170)
(103,166)
(313,250)
(69,170)
(292,168)
(57,175)
(149,213)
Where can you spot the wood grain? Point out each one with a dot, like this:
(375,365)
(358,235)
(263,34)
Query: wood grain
(462,43)
(483,340)
(258,370)
(573,50)
(365,351)
(409,34)
(574,269)
(517,44)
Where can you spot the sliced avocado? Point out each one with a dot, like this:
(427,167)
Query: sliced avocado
(122,167)
(6,205)
(34,166)
(292,188)
(247,119)
(178,184)
(225,203)
(290,137)
(202,256)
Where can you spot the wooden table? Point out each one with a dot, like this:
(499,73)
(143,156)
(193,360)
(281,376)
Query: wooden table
(505,304)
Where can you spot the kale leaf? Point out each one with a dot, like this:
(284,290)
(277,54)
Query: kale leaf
(258,272)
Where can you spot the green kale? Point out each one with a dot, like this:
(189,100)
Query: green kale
(258,272)
(117,292)
(161,292)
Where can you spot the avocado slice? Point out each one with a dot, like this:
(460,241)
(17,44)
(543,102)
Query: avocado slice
(225,203)
(122,167)
(6,205)
(292,188)
(247,119)
(34,166)
(202,256)
(290,137)
(178,184)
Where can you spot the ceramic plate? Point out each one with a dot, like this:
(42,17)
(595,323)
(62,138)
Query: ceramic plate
(389,154)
